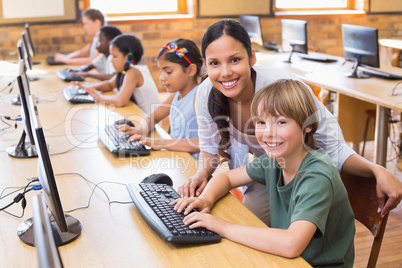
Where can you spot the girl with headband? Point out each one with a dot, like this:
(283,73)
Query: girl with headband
(133,81)
(180,63)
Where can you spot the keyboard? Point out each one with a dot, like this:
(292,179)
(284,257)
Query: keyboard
(380,74)
(152,201)
(118,144)
(316,57)
(51,61)
(64,75)
(77,95)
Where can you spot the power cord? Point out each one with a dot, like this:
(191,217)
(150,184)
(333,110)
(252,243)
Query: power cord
(93,135)
(96,185)
(8,85)
(20,197)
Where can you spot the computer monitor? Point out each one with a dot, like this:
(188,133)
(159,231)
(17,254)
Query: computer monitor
(46,248)
(30,43)
(21,54)
(24,149)
(66,228)
(294,36)
(27,53)
(360,45)
(253,28)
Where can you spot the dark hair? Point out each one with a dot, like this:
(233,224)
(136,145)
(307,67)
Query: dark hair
(94,15)
(193,54)
(110,31)
(218,104)
(127,43)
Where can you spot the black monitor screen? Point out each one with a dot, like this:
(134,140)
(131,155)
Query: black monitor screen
(30,43)
(26,50)
(294,35)
(361,43)
(21,54)
(24,91)
(65,227)
(253,28)
(24,149)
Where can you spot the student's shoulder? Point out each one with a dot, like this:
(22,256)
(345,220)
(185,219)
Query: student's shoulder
(317,164)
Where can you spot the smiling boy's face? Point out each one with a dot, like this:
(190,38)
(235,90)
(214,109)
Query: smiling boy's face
(103,44)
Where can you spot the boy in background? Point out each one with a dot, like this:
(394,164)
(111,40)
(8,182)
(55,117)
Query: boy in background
(102,63)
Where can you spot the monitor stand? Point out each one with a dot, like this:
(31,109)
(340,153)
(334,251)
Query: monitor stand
(289,60)
(17,100)
(26,231)
(354,73)
(22,149)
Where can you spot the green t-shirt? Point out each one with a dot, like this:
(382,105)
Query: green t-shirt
(315,194)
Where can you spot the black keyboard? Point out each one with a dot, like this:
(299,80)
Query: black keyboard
(118,144)
(51,61)
(152,201)
(64,75)
(380,74)
(77,95)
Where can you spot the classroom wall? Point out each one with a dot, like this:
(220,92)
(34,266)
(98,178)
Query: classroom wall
(324,34)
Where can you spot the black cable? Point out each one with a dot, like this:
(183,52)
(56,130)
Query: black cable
(19,197)
(8,85)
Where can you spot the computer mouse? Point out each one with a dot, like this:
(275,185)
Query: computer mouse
(160,178)
(124,122)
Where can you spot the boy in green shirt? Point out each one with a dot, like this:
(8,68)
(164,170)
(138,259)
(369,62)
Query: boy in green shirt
(310,212)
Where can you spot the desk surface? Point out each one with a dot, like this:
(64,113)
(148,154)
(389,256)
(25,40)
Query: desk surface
(113,235)
(392,43)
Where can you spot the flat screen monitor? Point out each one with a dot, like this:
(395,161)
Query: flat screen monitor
(26,50)
(20,48)
(360,45)
(30,43)
(24,149)
(65,227)
(46,248)
(253,28)
(294,36)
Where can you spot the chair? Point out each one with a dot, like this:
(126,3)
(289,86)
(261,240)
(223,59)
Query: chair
(363,199)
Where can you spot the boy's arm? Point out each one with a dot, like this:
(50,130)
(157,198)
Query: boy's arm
(288,243)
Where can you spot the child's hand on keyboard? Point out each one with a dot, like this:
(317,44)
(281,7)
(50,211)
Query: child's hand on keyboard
(191,203)
(129,130)
(206,220)
(93,92)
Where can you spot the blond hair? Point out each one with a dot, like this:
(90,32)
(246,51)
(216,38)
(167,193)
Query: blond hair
(290,98)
